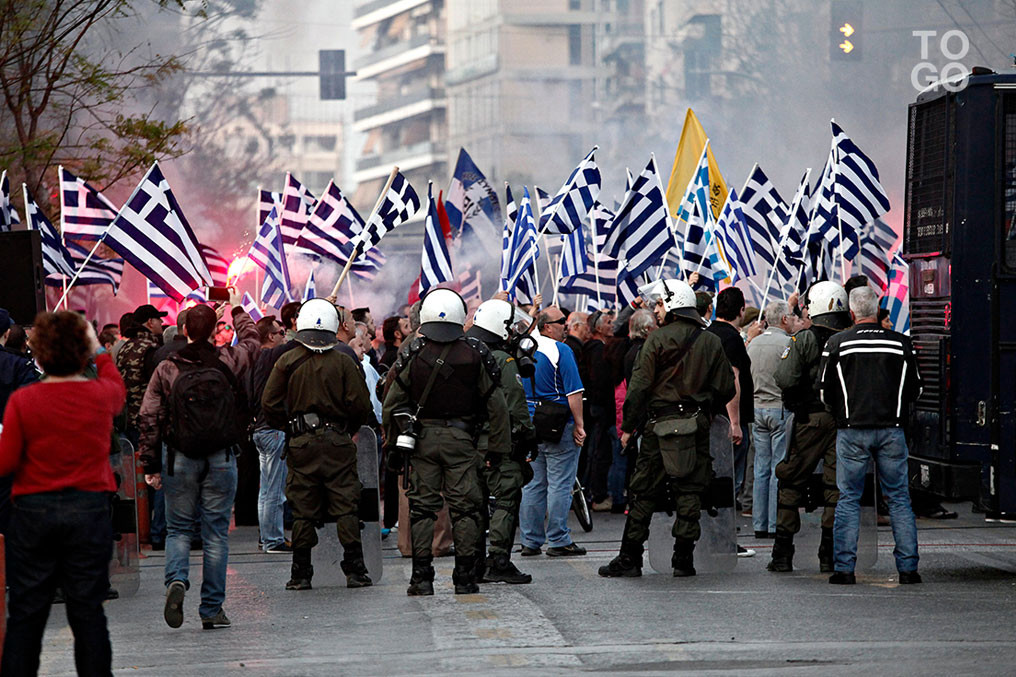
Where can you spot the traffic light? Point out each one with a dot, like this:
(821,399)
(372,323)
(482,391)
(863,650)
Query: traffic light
(332,74)
(845,30)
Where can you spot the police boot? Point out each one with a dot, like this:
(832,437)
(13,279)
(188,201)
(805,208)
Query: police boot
(462,575)
(480,569)
(825,551)
(499,569)
(354,568)
(628,563)
(422,581)
(783,554)
(302,570)
(683,560)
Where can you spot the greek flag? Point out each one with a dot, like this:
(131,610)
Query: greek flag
(266,200)
(824,218)
(218,266)
(897,298)
(153,235)
(472,204)
(398,205)
(56,260)
(568,209)
(860,197)
(783,277)
(197,295)
(331,229)
(8,215)
(435,263)
(521,251)
(640,234)
(877,243)
(628,286)
(309,290)
(96,271)
(297,203)
(84,211)
(471,285)
(573,254)
(697,192)
(268,252)
(765,212)
(542,199)
(701,254)
(733,235)
(600,283)
(250,306)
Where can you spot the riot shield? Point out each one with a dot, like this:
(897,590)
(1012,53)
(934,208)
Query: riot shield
(807,541)
(716,550)
(124,567)
(328,553)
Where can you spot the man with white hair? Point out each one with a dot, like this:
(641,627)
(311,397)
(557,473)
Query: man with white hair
(869,379)
(770,430)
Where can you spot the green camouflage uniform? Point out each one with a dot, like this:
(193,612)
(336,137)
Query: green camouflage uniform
(134,362)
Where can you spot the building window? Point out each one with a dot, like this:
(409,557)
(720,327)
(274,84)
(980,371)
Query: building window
(574,4)
(575,45)
(325,143)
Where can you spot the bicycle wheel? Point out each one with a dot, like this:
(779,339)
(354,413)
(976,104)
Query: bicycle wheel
(580,506)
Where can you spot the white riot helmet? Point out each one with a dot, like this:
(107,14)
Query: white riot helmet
(825,299)
(316,325)
(442,314)
(677,296)
(494,320)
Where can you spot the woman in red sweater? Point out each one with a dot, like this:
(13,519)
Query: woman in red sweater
(55,441)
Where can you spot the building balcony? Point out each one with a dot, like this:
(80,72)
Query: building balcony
(417,101)
(407,158)
(472,70)
(373,11)
(398,54)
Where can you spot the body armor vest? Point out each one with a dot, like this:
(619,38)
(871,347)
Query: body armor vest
(455,394)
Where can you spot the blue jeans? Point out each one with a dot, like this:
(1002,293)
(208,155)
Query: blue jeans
(270,444)
(548,494)
(854,450)
(616,478)
(770,435)
(209,485)
(58,539)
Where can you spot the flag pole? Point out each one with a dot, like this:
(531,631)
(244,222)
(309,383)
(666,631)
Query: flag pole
(257,231)
(839,222)
(546,248)
(63,224)
(559,261)
(596,254)
(356,250)
(80,268)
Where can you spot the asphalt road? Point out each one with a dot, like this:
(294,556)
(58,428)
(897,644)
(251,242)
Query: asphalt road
(960,621)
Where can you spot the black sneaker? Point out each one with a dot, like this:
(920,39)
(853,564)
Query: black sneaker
(284,547)
(298,584)
(530,552)
(843,578)
(358,580)
(570,550)
(621,566)
(219,620)
(173,611)
(745,552)
(909,578)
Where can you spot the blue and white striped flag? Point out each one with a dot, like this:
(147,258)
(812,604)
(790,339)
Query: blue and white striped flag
(196,295)
(824,217)
(297,204)
(860,197)
(697,192)
(877,243)
(599,283)
(765,212)
(640,233)
(266,200)
(701,254)
(471,285)
(435,262)
(8,215)
(521,252)
(568,209)
(218,266)
(153,235)
(897,298)
(268,252)
(782,280)
(96,271)
(398,205)
(309,290)
(331,229)
(732,232)
(250,306)
(84,211)
(573,254)
(56,260)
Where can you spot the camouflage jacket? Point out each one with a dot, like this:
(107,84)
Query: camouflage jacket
(135,364)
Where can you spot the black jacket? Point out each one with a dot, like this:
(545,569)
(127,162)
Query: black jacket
(868,377)
(15,371)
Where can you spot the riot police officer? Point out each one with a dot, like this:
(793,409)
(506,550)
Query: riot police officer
(681,378)
(317,395)
(443,389)
(813,433)
(503,476)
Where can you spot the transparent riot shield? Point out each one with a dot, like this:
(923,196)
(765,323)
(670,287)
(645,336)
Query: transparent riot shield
(124,567)
(328,553)
(716,550)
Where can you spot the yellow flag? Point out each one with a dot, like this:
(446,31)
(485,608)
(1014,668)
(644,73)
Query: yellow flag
(689,149)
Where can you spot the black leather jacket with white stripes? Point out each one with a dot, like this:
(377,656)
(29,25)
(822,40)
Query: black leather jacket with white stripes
(869,377)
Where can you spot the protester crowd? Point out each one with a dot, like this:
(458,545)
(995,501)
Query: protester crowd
(620,401)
